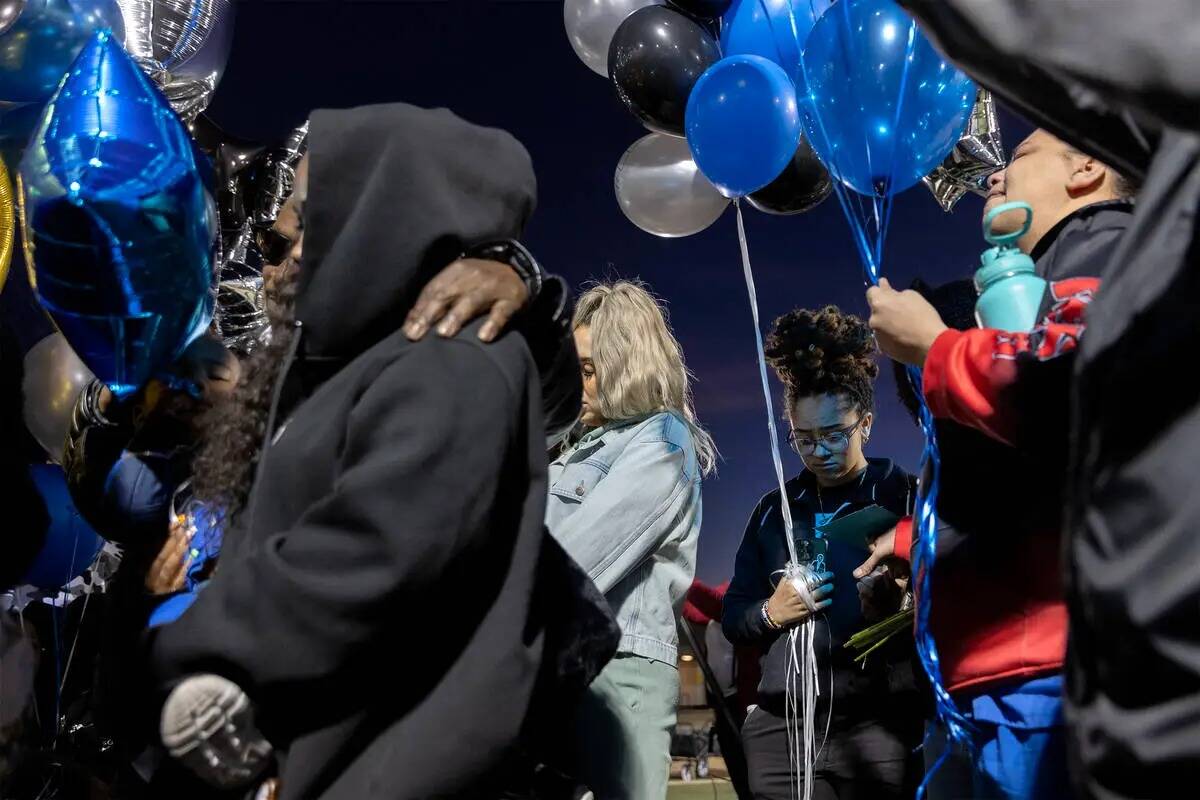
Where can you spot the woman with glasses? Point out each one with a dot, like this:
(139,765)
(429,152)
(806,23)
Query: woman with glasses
(871,710)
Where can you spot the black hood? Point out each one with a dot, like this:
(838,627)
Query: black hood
(395,193)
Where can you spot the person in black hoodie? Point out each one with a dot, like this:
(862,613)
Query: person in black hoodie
(397,501)
(130,462)
(873,711)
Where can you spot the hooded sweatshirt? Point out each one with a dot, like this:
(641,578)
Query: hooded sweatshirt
(381,598)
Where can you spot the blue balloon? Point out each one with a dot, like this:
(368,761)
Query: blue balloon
(69,544)
(39,44)
(773,29)
(742,123)
(883,107)
(120,216)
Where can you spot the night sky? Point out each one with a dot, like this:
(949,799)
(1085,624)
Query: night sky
(507,63)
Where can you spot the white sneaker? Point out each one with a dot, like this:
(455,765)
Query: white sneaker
(208,725)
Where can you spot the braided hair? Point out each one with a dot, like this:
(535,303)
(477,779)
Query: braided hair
(824,351)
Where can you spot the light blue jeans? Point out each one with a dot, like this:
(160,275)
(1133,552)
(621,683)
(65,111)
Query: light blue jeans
(622,741)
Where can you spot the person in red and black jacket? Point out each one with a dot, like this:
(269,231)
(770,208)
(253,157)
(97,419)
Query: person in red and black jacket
(1002,653)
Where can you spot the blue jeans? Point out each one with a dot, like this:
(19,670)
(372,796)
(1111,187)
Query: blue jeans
(1020,742)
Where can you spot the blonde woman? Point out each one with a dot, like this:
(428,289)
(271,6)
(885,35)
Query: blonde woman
(625,504)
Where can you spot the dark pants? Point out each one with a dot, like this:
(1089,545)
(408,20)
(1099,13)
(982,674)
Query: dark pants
(869,760)
(730,739)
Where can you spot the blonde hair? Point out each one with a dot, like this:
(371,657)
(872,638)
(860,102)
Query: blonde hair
(639,364)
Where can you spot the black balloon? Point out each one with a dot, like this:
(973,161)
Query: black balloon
(655,58)
(704,9)
(231,157)
(802,185)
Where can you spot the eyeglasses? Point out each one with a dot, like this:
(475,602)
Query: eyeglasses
(833,441)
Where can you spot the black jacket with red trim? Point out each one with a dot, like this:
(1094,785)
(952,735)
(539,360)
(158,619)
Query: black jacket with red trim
(1000,546)
(989,380)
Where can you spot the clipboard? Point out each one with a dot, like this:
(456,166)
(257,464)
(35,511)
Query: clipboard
(859,527)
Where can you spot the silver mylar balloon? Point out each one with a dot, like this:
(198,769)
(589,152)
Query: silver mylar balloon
(661,190)
(241,314)
(591,24)
(182,44)
(978,154)
(54,377)
(278,175)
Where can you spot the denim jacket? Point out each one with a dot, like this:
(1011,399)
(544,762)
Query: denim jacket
(625,504)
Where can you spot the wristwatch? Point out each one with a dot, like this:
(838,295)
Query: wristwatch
(513,253)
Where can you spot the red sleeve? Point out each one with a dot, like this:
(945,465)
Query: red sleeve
(970,376)
(703,603)
(904,539)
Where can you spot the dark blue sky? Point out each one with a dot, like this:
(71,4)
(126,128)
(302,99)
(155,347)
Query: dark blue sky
(508,63)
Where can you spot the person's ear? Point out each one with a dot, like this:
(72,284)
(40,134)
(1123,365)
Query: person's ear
(868,418)
(1087,175)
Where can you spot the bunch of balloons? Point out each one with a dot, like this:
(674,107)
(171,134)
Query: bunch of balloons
(773,96)
(119,218)
(182,44)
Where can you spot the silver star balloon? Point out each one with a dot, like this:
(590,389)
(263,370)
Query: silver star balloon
(241,314)
(182,45)
(978,154)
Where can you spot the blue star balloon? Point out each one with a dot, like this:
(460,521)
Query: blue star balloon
(119,218)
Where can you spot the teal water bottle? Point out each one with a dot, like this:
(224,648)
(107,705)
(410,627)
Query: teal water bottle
(1010,292)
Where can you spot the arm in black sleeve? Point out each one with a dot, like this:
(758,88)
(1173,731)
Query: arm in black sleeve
(1102,80)
(409,534)
(546,326)
(742,619)
(547,329)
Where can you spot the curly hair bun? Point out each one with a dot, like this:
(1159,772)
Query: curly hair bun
(825,351)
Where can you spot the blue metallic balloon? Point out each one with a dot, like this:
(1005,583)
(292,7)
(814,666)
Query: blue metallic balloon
(773,29)
(883,108)
(742,123)
(120,220)
(69,544)
(42,39)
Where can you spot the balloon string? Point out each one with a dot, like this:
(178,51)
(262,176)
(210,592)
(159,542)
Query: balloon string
(766,386)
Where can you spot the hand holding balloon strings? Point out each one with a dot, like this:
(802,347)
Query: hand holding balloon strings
(905,324)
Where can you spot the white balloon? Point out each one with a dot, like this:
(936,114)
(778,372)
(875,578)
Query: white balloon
(591,24)
(662,191)
(54,377)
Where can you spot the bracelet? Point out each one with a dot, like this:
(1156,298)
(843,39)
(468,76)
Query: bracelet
(88,406)
(766,615)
